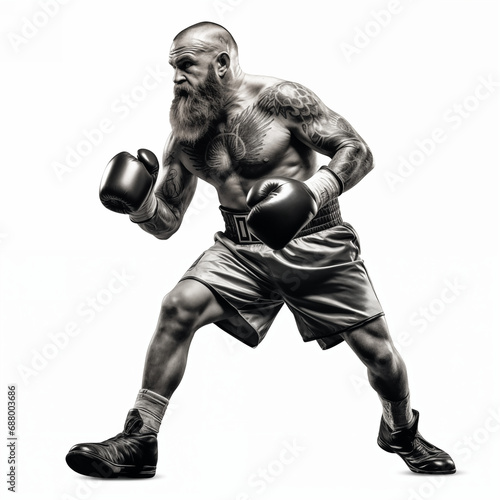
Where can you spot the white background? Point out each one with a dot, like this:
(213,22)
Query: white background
(430,243)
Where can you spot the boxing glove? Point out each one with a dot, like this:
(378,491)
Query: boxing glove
(280,208)
(127,184)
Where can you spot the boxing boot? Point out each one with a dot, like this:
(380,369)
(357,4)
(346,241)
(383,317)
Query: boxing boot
(128,454)
(418,454)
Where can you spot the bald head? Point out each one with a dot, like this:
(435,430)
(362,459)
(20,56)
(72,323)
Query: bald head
(201,46)
(208,36)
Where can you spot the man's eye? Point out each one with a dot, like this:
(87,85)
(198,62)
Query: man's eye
(186,65)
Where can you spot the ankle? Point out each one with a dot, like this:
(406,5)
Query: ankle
(397,414)
(151,407)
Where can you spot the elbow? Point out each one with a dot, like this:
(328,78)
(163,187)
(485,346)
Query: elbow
(162,236)
(366,155)
(361,153)
(165,235)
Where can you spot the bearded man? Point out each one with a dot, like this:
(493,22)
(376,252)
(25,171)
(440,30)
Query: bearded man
(255,139)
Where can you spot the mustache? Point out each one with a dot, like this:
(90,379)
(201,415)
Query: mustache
(183,90)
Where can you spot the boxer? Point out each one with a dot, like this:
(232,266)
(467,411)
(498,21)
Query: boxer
(255,139)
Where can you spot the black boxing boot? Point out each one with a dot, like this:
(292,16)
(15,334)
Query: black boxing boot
(418,454)
(128,454)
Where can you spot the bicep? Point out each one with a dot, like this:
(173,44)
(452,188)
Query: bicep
(309,119)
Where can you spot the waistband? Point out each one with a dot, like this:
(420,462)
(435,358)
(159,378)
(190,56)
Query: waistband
(237,229)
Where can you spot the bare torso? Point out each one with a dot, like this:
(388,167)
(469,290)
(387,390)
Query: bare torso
(250,142)
(270,128)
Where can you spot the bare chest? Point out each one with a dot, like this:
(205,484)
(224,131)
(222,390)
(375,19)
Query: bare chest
(248,145)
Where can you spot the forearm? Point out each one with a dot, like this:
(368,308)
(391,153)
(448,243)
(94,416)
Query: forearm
(164,210)
(350,164)
(346,168)
(163,223)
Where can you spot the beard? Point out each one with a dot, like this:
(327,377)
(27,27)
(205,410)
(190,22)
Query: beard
(195,110)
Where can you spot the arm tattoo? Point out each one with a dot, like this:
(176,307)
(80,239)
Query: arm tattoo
(173,193)
(163,223)
(171,189)
(326,130)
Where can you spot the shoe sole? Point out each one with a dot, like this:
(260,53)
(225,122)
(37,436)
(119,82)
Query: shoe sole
(387,448)
(95,466)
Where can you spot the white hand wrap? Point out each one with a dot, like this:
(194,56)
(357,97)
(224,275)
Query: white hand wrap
(324,186)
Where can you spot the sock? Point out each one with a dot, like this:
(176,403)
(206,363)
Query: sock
(397,414)
(151,407)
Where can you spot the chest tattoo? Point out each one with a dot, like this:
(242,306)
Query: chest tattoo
(236,147)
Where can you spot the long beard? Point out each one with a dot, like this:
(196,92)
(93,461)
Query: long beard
(194,111)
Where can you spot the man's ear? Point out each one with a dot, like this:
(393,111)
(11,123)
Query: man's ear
(223,63)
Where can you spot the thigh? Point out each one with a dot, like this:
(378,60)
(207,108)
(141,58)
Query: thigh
(326,285)
(192,301)
(235,274)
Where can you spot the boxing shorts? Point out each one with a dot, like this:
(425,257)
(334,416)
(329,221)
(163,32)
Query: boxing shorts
(319,275)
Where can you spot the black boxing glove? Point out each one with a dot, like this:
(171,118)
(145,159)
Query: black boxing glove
(280,208)
(127,185)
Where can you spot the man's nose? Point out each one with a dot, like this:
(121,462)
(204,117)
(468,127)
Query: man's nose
(179,76)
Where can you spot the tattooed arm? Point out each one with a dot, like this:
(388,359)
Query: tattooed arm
(326,132)
(174,190)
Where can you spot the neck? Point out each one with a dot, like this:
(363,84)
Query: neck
(236,87)
(235,79)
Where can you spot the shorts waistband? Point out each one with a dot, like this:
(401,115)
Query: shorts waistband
(237,229)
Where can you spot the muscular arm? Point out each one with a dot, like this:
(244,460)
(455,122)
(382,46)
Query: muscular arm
(325,131)
(174,190)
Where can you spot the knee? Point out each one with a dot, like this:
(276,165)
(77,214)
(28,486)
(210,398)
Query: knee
(383,360)
(178,315)
(176,320)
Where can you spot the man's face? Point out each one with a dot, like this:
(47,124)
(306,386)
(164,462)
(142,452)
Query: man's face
(199,94)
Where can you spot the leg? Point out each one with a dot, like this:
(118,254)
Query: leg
(386,369)
(399,424)
(134,452)
(188,307)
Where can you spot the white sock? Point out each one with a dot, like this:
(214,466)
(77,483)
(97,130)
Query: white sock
(152,407)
